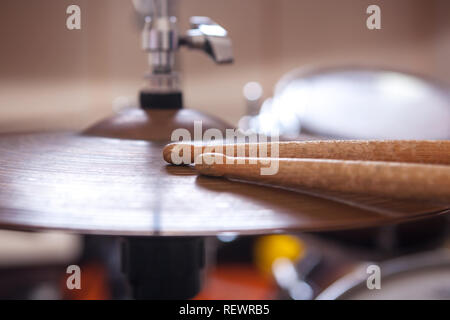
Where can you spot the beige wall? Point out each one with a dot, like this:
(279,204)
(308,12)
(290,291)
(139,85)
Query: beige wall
(54,78)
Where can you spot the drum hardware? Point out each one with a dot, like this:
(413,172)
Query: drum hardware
(161,101)
(163,267)
(161,40)
(422,276)
(170,267)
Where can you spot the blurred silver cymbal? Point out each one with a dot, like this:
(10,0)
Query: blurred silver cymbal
(357,103)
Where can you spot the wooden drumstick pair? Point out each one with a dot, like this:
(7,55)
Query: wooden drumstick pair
(396,169)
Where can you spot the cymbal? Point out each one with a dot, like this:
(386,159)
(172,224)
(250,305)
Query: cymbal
(152,124)
(98,185)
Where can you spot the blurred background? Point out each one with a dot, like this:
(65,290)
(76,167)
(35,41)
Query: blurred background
(52,79)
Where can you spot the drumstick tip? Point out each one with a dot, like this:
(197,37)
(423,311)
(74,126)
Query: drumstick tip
(167,152)
(178,149)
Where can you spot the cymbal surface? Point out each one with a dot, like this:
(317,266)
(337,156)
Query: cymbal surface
(95,185)
(152,124)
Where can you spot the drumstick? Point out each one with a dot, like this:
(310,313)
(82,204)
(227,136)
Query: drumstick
(412,151)
(390,179)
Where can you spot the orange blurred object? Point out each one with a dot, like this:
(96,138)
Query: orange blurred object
(94,284)
(237,282)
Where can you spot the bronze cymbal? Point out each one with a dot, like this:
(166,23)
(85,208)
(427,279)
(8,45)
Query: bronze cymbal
(97,185)
(153,124)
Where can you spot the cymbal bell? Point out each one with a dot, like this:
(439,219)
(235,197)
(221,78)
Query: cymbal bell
(152,124)
(97,185)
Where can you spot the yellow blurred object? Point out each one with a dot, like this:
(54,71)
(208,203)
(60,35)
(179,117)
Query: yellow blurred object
(270,248)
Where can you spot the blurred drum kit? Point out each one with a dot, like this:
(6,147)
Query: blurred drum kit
(112,180)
